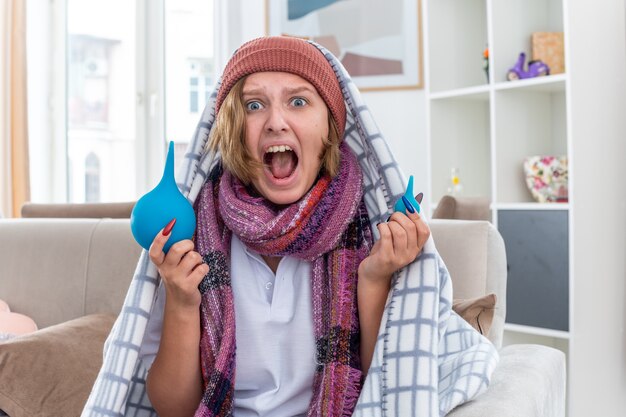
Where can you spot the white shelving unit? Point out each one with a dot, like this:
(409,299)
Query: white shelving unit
(486,126)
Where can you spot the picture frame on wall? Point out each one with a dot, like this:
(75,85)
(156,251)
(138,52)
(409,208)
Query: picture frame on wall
(378,42)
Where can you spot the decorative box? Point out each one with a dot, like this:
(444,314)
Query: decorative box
(548,47)
(546,178)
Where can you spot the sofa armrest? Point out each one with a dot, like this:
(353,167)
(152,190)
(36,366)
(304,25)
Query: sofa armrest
(529,381)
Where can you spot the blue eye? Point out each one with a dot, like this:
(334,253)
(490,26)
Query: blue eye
(253,106)
(298,102)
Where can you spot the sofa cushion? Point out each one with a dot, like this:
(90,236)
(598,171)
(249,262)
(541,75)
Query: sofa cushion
(529,381)
(51,371)
(477,311)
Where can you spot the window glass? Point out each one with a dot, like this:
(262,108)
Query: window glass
(92,178)
(101,97)
(130,78)
(193,95)
(189,68)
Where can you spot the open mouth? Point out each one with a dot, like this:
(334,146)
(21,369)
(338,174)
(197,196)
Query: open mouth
(281,161)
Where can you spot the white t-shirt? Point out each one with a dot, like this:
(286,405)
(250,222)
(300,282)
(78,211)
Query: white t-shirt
(275,356)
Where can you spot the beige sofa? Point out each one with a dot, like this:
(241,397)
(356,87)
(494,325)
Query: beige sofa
(71,276)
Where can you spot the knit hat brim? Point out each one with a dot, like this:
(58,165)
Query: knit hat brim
(286,54)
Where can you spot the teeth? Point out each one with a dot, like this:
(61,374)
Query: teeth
(278,148)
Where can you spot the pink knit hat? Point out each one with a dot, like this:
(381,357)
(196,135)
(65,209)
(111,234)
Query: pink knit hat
(286,54)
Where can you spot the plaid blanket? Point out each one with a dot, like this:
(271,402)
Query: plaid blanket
(427,360)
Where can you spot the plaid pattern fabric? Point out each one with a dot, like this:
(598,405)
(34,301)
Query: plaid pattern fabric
(427,359)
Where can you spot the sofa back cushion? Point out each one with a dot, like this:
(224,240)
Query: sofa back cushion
(83,210)
(55,270)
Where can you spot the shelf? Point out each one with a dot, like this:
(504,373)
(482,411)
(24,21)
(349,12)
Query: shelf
(530,206)
(480,92)
(487,129)
(538,331)
(513,23)
(548,84)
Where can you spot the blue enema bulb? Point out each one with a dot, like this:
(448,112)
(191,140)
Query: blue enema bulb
(158,207)
(399,206)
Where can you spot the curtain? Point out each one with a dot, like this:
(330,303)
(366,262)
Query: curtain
(14,167)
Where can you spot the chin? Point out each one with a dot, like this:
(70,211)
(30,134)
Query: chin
(283,198)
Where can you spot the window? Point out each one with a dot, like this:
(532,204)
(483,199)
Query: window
(92,179)
(189,68)
(208,87)
(119,79)
(88,85)
(101,98)
(193,94)
(199,82)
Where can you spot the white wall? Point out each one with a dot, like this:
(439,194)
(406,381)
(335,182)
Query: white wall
(401,119)
(399,114)
(597,67)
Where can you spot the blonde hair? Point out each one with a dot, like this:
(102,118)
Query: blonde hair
(228,136)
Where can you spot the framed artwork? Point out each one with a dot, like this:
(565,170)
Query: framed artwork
(378,42)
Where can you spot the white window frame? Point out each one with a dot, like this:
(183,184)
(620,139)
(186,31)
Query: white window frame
(149,151)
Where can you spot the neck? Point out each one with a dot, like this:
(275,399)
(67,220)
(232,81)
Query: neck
(272,262)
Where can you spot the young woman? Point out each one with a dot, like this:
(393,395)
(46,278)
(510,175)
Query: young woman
(282,269)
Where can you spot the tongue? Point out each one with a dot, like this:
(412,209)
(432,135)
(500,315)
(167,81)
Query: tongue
(282,164)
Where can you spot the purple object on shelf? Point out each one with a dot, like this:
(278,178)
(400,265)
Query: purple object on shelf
(536,68)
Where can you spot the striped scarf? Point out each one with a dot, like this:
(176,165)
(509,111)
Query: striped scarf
(329,227)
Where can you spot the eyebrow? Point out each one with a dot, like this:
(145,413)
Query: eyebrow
(300,89)
(253,92)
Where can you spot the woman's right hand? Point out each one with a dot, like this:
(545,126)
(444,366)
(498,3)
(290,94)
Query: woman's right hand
(174,383)
(181,269)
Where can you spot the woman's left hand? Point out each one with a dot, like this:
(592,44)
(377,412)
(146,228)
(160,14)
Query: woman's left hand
(402,238)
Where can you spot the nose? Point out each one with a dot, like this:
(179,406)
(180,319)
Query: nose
(276,120)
